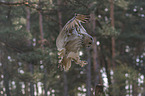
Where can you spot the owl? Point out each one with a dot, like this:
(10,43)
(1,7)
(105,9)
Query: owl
(72,37)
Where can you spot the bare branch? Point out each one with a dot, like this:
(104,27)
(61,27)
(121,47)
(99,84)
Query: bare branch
(13,3)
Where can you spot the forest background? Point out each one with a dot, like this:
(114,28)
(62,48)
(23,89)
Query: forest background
(28,54)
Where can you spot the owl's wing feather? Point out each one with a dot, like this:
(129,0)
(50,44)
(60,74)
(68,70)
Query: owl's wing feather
(71,24)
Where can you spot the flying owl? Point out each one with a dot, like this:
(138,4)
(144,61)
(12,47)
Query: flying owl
(72,37)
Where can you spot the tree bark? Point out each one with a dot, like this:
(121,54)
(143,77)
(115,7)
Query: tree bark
(95,63)
(113,25)
(112,39)
(97,79)
(107,68)
(37,89)
(26,89)
(28,19)
(41,30)
(31,66)
(99,90)
(45,82)
(4,61)
(42,46)
(88,82)
(65,84)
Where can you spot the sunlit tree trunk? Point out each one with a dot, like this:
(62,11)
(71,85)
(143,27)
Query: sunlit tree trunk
(41,28)
(112,38)
(113,25)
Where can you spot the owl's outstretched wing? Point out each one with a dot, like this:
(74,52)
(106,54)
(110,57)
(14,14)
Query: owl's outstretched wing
(68,29)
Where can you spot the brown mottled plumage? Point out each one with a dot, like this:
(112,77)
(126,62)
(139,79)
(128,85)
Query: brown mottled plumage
(69,41)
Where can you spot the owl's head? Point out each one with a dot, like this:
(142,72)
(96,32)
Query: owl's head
(87,40)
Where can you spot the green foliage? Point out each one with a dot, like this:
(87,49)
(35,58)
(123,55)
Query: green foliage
(123,3)
(123,76)
(108,31)
(124,72)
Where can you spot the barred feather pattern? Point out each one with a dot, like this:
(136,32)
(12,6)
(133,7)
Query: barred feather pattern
(69,41)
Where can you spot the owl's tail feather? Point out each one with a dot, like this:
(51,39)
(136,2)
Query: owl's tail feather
(66,63)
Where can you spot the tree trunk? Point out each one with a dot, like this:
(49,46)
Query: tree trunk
(5,73)
(26,89)
(107,68)
(6,79)
(31,66)
(65,84)
(45,81)
(88,82)
(41,30)
(112,24)
(4,61)
(42,46)
(60,27)
(59,14)
(112,39)
(95,62)
(96,65)
(37,89)
(18,89)
(99,90)
(135,87)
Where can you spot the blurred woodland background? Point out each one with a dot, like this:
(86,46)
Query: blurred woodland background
(28,54)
